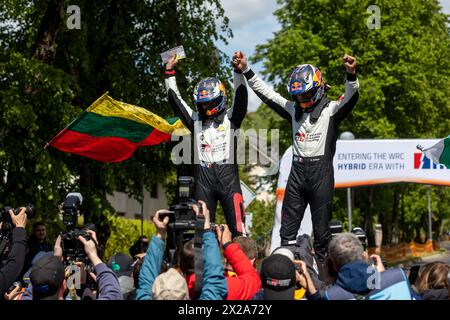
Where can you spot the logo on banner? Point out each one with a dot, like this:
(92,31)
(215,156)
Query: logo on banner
(423,162)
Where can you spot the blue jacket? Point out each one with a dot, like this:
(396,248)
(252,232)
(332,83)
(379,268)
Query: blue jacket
(214,283)
(354,279)
(150,269)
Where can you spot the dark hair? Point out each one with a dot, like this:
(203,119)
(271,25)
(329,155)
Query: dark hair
(37,224)
(187,257)
(140,246)
(248,246)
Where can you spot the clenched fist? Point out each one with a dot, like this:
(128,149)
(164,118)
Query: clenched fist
(349,63)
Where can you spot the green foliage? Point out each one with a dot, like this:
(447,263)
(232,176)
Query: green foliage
(124,233)
(404,71)
(117,50)
(263,216)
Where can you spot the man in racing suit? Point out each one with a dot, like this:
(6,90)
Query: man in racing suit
(315,121)
(215,131)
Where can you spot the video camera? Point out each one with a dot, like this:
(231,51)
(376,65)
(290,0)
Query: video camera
(73,249)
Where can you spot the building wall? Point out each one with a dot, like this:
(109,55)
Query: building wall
(131,208)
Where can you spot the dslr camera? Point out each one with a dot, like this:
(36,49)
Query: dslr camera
(8,226)
(181,215)
(5,219)
(73,249)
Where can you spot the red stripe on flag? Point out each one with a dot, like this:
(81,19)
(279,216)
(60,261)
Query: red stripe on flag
(104,149)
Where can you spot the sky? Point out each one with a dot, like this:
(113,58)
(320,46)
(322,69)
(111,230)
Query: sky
(252,23)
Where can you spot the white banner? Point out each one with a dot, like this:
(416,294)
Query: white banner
(369,162)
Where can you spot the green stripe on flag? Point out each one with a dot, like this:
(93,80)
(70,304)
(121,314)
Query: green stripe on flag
(445,156)
(101,126)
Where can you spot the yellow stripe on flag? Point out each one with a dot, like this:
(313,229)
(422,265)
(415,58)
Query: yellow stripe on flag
(107,106)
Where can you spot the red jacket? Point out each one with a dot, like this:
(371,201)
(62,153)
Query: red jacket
(241,287)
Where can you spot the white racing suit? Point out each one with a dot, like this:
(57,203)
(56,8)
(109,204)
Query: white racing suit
(215,140)
(311,181)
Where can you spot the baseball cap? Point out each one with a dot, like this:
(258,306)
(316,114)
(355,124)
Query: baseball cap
(170,285)
(121,264)
(278,277)
(46,276)
(285,252)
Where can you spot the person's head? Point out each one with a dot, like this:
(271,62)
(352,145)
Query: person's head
(278,277)
(345,248)
(39,231)
(306,86)
(184,257)
(47,278)
(210,97)
(248,246)
(433,276)
(170,285)
(140,246)
(121,264)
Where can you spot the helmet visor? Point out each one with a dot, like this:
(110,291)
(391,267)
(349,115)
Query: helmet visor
(211,104)
(305,96)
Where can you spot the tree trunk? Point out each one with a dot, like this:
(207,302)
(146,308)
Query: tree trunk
(110,43)
(394,237)
(45,43)
(368,227)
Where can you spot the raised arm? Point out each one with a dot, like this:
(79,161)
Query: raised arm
(151,267)
(347,101)
(269,96)
(240,103)
(177,103)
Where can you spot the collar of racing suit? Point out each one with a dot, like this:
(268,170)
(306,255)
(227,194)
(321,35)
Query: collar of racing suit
(315,110)
(217,118)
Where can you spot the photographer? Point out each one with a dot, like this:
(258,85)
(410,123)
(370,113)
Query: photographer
(171,284)
(48,281)
(16,258)
(240,256)
(356,279)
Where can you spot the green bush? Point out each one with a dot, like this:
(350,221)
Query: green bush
(124,232)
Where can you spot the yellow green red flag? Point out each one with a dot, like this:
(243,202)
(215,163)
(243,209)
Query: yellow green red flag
(110,131)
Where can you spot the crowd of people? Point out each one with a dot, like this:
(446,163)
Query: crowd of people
(229,269)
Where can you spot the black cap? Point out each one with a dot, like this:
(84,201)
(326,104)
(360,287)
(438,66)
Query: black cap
(278,277)
(121,264)
(46,276)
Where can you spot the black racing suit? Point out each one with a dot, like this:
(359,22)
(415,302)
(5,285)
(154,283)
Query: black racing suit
(311,180)
(215,140)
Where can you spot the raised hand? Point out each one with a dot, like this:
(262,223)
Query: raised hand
(349,63)
(239,61)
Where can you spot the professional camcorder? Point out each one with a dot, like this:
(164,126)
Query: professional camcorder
(73,249)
